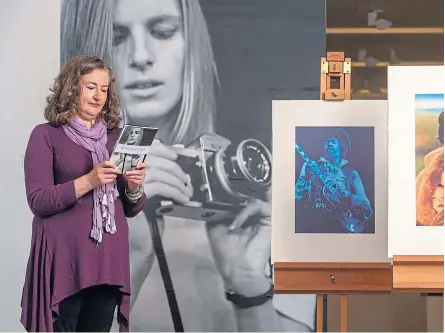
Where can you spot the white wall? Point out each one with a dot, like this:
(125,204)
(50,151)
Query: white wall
(29,60)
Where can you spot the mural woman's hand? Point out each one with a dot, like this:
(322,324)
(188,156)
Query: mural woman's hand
(242,248)
(165,177)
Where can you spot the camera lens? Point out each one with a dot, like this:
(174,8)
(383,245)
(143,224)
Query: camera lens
(254,161)
(243,171)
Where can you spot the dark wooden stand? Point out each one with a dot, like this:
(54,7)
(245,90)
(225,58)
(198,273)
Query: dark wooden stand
(332,278)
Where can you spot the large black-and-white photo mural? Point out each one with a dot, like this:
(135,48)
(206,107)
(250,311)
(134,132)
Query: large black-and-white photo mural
(205,73)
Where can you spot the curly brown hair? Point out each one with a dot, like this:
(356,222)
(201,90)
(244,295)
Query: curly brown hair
(62,103)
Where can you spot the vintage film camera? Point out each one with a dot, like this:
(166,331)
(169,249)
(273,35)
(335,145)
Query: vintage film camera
(224,177)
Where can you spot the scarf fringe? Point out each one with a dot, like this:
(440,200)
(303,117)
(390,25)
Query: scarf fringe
(107,215)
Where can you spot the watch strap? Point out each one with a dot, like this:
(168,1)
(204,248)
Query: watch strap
(245,302)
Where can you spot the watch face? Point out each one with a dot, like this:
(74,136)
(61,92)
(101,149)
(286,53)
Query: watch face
(255,161)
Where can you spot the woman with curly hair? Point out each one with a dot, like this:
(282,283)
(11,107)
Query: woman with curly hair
(78,269)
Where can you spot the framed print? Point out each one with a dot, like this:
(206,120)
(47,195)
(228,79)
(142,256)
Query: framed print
(416,160)
(329,200)
(334,184)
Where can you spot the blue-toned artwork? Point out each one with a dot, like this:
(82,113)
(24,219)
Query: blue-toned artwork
(334,180)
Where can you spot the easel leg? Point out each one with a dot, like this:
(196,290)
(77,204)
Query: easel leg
(325,313)
(320,313)
(344,313)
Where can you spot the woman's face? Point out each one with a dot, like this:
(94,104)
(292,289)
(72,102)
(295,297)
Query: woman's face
(148,57)
(134,135)
(93,94)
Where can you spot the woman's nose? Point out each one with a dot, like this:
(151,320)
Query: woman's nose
(143,54)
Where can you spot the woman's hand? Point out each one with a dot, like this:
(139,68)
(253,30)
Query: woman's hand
(165,178)
(135,177)
(106,172)
(242,248)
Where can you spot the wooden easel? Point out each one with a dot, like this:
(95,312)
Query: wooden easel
(419,273)
(328,278)
(333,278)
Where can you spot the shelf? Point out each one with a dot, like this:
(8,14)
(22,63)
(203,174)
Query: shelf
(369,96)
(408,48)
(404,13)
(374,31)
(366,91)
(365,94)
(403,63)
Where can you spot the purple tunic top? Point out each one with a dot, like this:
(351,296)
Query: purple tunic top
(63,258)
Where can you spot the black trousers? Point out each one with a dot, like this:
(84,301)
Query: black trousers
(90,310)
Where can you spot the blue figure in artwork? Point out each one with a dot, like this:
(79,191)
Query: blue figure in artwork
(331,186)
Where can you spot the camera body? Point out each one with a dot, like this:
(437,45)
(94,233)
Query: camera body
(223,176)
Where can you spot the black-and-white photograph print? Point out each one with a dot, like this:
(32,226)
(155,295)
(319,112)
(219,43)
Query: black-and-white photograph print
(190,67)
(137,135)
(132,147)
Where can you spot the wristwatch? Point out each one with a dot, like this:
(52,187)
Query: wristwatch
(245,302)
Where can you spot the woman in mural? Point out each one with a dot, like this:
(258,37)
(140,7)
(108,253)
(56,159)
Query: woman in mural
(162,55)
(429,185)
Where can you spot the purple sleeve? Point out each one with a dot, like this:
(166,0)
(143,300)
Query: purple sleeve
(131,209)
(44,197)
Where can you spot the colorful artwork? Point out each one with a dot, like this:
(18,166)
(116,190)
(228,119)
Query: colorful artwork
(429,159)
(334,180)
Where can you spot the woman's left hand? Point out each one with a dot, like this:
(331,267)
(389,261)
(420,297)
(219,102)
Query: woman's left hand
(135,177)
